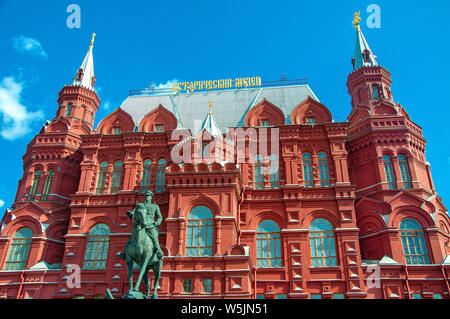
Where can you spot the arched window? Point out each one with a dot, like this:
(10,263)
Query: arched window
(323,247)
(115,183)
(48,185)
(35,185)
(161,175)
(20,250)
(69,110)
(404,169)
(389,170)
(307,170)
(102,178)
(145,184)
(274,172)
(259,172)
(268,244)
(200,232)
(375,93)
(413,241)
(323,168)
(97,248)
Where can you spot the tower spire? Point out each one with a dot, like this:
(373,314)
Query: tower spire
(364,56)
(85,76)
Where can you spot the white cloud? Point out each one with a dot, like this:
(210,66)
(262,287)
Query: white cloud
(24,44)
(167,85)
(15,119)
(106,105)
(162,86)
(2,203)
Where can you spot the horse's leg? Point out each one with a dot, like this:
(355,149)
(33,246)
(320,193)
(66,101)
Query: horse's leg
(147,283)
(157,273)
(130,262)
(141,274)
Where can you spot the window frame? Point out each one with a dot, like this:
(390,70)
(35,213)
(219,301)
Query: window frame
(389,172)
(116,177)
(322,238)
(417,237)
(200,232)
(269,251)
(48,185)
(19,250)
(308,176)
(161,175)
(94,239)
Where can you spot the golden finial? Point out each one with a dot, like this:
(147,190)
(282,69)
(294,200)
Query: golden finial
(356,20)
(92,41)
(210,107)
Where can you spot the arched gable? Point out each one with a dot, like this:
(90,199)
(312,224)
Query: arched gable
(23,222)
(264,111)
(310,217)
(159,116)
(88,225)
(421,216)
(200,200)
(267,215)
(384,108)
(57,230)
(370,222)
(61,125)
(311,108)
(117,119)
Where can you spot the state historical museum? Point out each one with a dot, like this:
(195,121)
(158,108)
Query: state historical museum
(327,209)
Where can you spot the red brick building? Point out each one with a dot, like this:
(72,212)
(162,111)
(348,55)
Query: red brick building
(322,210)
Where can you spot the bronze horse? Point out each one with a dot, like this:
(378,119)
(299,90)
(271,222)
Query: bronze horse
(140,250)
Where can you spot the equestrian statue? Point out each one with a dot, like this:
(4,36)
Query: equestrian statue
(143,248)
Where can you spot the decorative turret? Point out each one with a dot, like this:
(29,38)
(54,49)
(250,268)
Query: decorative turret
(369,84)
(79,102)
(209,124)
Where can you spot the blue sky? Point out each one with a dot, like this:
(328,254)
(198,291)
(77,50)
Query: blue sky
(143,41)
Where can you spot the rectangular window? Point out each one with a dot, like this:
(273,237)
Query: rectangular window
(18,254)
(260,297)
(116,130)
(207,286)
(437,296)
(323,252)
(265,123)
(417,296)
(338,296)
(316,296)
(389,170)
(311,120)
(282,296)
(159,128)
(187,286)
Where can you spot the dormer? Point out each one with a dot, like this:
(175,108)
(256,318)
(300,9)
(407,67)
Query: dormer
(311,112)
(264,114)
(158,120)
(116,123)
